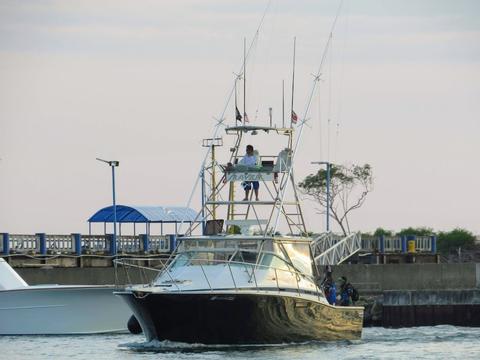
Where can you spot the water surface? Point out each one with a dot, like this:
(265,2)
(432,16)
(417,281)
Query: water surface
(439,342)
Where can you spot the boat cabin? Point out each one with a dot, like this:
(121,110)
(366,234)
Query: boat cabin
(288,254)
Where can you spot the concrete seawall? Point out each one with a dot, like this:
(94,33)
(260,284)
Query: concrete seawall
(83,276)
(378,278)
(367,278)
(402,295)
(432,307)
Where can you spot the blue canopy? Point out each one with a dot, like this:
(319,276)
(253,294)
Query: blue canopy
(144,214)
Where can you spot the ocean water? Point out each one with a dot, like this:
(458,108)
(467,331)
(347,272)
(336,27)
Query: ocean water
(439,342)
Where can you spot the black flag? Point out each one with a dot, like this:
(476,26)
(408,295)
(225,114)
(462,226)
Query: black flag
(238,117)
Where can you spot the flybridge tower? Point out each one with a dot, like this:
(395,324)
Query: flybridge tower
(224,208)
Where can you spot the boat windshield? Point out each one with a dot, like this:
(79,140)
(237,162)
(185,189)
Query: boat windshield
(238,258)
(299,254)
(262,253)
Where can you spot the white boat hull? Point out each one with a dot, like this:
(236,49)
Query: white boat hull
(42,310)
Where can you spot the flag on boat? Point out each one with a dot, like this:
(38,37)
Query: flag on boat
(245,116)
(238,116)
(294,117)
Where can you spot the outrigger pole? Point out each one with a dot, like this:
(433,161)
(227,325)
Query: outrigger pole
(293,81)
(283,104)
(244,80)
(316,79)
(236,107)
(221,118)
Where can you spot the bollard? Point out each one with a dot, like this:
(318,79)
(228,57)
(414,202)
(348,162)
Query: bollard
(41,238)
(411,244)
(144,243)
(172,242)
(111,247)
(382,244)
(77,244)
(6,243)
(114,242)
(433,242)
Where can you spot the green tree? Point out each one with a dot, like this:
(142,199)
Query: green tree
(382,232)
(452,240)
(349,187)
(419,231)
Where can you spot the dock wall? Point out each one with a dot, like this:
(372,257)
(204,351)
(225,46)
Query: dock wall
(367,278)
(378,278)
(432,307)
(68,276)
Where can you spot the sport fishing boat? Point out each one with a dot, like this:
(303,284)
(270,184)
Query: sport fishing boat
(57,309)
(241,281)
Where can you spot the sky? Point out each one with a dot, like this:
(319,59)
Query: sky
(142,82)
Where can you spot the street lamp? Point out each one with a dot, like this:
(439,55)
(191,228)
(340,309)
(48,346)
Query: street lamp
(113,164)
(329,166)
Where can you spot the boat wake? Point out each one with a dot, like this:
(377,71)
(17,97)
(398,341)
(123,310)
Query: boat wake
(173,346)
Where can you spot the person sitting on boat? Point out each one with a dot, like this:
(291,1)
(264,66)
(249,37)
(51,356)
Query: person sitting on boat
(250,159)
(329,287)
(346,292)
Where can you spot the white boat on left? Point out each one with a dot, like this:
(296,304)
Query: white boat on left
(58,309)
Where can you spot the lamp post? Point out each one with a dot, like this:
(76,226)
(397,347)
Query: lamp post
(329,166)
(113,165)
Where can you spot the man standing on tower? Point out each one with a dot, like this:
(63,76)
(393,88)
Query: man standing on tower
(250,159)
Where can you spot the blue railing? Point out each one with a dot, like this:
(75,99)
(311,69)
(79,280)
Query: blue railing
(78,244)
(399,244)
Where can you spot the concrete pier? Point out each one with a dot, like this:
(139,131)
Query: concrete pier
(403,295)
(431,307)
(374,279)
(368,279)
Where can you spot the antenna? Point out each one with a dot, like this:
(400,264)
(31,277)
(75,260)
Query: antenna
(293,79)
(224,109)
(244,79)
(236,107)
(270,114)
(302,123)
(283,104)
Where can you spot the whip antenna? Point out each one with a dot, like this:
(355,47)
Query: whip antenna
(221,117)
(283,186)
(293,81)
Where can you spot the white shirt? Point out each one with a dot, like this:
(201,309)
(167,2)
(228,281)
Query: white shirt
(249,160)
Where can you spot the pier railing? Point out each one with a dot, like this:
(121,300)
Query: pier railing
(399,244)
(331,249)
(78,244)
